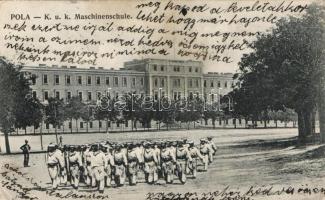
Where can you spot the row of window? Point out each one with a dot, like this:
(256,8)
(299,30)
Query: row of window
(89,95)
(98,80)
(176,82)
(176,68)
(82,125)
(218,84)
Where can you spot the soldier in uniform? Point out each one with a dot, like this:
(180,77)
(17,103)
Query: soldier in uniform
(205,151)
(150,164)
(140,151)
(183,159)
(75,164)
(133,163)
(168,161)
(87,165)
(120,161)
(98,164)
(195,154)
(54,164)
(110,164)
(63,174)
(212,145)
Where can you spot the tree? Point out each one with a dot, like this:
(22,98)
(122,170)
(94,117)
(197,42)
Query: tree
(55,114)
(285,68)
(14,88)
(74,109)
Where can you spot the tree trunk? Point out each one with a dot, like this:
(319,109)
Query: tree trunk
(304,125)
(7,142)
(71,125)
(34,129)
(87,126)
(265,126)
(321,114)
(25,130)
(276,123)
(77,125)
(132,124)
(214,123)
(234,122)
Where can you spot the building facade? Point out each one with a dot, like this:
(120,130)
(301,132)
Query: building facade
(156,77)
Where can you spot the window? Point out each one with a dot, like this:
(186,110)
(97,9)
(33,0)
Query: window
(68,80)
(108,124)
(156,95)
(70,125)
(162,82)
(80,95)
(190,69)
(46,95)
(219,84)
(191,83)
(81,125)
(45,79)
(98,80)
(90,124)
(162,68)
(226,84)
(33,79)
(211,84)
(142,81)
(156,82)
(89,96)
(205,83)
(196,83)
(196,70)
(133,82)
(69,95)
(100,124)
(107,80)
(47,125)
(124,81)
(115,81)
(57,79)
(126,124)
(34,94)
(179,82)
(79,80)
(89,80)
(175,95)
(57,94)
(154,67)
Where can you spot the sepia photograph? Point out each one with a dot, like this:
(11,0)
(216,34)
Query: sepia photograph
(162,100)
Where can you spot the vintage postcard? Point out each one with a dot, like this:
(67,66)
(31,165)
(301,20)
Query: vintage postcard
(162,100)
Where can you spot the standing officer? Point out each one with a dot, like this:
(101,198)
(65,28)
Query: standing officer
(54,164)
(26,148)
(98,164)
(75,164)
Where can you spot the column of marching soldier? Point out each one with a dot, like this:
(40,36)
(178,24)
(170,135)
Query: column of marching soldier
(98,165)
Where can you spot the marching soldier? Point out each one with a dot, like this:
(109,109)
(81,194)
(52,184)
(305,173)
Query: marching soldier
(98,164)
(150,164)
(183,158)
(87,165)
(63,174)
(195,154)
(205,151)
(140,152)
(54,164)
(110,164)
(212,145)
(133,163)
(120,161)
(168,161)
(75,164)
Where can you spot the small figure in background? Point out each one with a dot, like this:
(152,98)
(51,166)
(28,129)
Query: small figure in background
(26,148)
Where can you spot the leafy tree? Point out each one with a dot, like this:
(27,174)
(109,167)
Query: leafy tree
(74,109)
(55,113)
(284,70)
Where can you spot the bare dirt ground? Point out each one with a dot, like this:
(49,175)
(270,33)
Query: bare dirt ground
(250,164)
